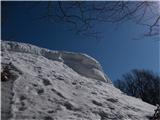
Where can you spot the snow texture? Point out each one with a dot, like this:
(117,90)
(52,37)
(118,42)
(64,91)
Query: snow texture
(81,63)
(57,85)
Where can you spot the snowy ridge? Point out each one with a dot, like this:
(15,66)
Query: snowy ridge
(39,84)
(81,63)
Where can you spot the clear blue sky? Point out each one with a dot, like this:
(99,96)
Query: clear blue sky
(117,52)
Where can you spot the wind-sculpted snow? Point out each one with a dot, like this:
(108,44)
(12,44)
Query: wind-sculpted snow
(39,84)
(81,63)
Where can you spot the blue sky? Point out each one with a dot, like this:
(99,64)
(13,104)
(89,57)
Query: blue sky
(117,51)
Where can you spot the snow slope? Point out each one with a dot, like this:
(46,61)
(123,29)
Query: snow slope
(57,85)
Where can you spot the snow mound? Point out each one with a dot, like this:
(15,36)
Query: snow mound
(81,63)
(40,84)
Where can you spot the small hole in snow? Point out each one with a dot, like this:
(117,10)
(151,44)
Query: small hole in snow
(46,82)
(40,91)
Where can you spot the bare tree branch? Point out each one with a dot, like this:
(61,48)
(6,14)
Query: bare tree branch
(82,16)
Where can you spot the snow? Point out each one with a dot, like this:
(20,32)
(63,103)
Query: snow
(81,63)
(59,85)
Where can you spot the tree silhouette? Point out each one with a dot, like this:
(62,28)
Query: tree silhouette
(142,84)
(82,16)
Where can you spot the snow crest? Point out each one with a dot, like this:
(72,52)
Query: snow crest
(40,84)
(81,63)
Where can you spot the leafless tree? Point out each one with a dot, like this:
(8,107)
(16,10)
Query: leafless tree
(143,84)
(83,16)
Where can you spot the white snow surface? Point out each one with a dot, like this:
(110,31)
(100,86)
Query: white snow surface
(58,85)
(81,63)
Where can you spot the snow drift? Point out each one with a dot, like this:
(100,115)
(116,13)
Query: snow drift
(81,63)
(40,84)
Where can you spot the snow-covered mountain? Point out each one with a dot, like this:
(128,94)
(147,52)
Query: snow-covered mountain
(40,84)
